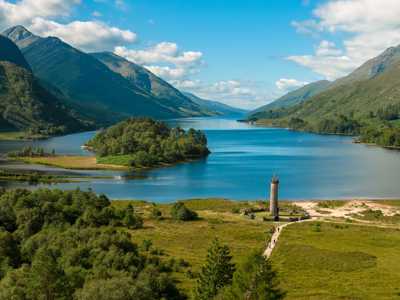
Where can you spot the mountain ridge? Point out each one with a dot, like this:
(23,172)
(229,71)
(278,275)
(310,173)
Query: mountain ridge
(85,80)
(25,104)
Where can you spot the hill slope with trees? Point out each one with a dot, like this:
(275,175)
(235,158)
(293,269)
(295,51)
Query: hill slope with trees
(364,103)
(85,80)
(25,105)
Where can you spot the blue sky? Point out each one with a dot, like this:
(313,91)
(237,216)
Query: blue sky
(241,52)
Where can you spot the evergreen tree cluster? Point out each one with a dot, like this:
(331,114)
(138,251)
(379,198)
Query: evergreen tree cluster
(74,245)
(220,279)
(149,143)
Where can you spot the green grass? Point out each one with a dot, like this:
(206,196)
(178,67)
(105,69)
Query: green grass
(121,160)
(338,261)
(190,240)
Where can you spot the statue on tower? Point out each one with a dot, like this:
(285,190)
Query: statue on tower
(273,199)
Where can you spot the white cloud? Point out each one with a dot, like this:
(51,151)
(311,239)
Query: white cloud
(24,11)
(287,85)
(370,27)
(39,15)
(89,35)
(247,95)
(165,60)
(164,52)
(327,60)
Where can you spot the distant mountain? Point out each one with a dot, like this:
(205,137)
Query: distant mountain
(216,106)
(85,80)
(365,101)
(25,104)
(161,90)
(294,97)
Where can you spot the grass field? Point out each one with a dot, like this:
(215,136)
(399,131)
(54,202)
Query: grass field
(190,240)
(72,162)
(338,261)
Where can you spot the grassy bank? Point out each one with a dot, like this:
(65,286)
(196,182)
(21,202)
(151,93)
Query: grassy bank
(338,261)
(72,162)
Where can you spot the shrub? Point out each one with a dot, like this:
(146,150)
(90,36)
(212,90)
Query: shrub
(180,212)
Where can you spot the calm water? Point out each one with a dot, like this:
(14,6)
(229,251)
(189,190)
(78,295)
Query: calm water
(242,161)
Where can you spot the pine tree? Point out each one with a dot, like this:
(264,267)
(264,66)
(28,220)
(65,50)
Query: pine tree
(254,280)
(216,273)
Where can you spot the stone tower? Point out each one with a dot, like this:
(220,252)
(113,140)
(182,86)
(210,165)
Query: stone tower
(273,200)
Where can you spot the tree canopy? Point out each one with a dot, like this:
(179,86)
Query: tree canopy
(143,142)
(74,245)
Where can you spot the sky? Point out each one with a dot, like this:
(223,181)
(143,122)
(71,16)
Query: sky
(244,53)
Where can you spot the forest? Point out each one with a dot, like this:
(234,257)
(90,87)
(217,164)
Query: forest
(76,245)
(143,142)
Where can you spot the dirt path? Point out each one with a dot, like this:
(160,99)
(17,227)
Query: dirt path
(347,211)
(275,236)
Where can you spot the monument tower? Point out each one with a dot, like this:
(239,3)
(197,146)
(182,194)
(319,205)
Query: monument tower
(273,199)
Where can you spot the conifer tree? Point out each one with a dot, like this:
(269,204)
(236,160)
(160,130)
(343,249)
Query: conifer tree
(216,273)
(254,280)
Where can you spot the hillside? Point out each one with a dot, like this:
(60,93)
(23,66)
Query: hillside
(161,90)
(25,104)
(85,80)
(292,98)
(10,52)
(216,106)
(366,103)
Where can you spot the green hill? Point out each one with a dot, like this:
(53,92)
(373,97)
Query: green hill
(162,91)
(85,80)
(365,103)
(26,106)
(292,98)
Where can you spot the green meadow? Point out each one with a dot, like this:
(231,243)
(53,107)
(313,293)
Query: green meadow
(318,260)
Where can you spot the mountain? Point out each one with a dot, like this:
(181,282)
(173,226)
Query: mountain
(10,52)
(294,97)
(365,102)
(161,90)
(216,106)
(85,80)
(368,70)
(372,67)
(25,104)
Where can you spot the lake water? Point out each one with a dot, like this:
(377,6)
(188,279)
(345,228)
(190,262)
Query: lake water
(242,162)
